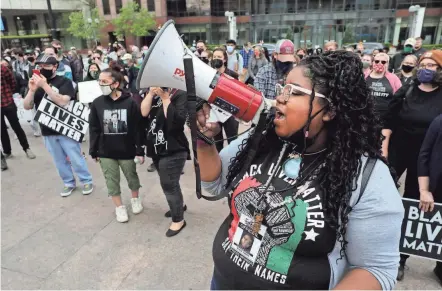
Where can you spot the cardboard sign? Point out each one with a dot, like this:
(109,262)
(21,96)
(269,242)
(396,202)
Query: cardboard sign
(88,91)
(421,231)
(71,120)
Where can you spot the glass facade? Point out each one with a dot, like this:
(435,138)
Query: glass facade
(306,22)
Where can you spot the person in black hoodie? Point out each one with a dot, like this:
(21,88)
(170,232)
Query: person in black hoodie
(115,146)
(168,146)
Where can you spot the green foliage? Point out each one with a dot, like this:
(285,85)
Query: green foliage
(81,28)
(432,46)
(133,21)
(289,34)
(349,34)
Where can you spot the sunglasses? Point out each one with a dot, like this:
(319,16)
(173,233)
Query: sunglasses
(290,89)
(378,61)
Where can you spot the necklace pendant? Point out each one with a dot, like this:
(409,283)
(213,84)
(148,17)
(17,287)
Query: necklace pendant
(292,166)
(258,219)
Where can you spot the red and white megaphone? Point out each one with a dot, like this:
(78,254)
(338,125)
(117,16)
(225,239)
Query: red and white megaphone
(163,67)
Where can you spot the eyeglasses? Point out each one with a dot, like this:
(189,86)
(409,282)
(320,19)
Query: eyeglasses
(378,61)
(290,89)
(428,66)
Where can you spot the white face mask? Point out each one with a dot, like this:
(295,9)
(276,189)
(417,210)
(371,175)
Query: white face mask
(230,49)
(106,89)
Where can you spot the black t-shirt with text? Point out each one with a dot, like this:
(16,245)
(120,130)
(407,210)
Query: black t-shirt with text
(382,93)
(291,249)
(62,86)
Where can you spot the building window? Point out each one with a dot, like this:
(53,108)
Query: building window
(4,26)
(118,5)
(151,5)
(26,24)
(106,7)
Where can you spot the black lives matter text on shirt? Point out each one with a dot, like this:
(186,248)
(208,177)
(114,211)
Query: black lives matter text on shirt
(421,231)
(293,250)
(70,120)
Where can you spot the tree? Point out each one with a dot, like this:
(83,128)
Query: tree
(133,21)
(88,29)
(349,34)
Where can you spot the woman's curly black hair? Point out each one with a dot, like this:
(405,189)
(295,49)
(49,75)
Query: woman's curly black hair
(354,131)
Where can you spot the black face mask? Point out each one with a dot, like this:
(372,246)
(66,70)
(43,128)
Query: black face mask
(205,60)
(300,56)
(217,63)
(46,73)
(200,50)
(284,67)
(31,59)
(407,69)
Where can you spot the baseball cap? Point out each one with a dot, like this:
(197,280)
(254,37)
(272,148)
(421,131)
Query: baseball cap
(285,50)
(126,57)
(435,55)
(411,41)
(46,59)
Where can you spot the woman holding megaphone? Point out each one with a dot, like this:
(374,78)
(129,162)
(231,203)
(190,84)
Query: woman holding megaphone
(317,206)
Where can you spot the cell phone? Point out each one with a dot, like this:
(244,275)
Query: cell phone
(36,72)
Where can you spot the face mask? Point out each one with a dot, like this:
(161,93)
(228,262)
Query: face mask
(46,73)
(125,62)
(257,54)
(200,50)
(140,61)
(365,65)
(106,89)
(230,49)
(217,63)
(408,49)
(145,52)
(426,76)
(205,60)
(300,56)
(379,68)
(94,74)
(407,69)
(284,67)
(31,59)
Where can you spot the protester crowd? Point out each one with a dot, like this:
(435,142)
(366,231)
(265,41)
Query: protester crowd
(332,106)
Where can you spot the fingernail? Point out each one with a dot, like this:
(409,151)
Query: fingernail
(207,116)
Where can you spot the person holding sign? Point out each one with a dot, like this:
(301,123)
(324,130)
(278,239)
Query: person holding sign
(410,113)
(305,211)
(59,90)
(116,139)
(429,172)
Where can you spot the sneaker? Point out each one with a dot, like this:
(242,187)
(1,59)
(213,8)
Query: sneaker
(8,156)
(67,191)
(37,134)
(121,213)
(137,207)
(88,188)
(401,273)
(30,154)
(151,168)
(4,164)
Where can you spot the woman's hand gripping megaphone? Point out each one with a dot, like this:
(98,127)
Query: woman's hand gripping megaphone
(209,129)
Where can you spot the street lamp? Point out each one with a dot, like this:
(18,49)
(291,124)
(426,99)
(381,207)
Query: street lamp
(414,9)
(96,20)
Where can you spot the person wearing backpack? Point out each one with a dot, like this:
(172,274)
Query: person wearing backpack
(299,217)
(235,61)
(410,113)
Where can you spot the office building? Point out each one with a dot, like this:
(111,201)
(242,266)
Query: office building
(306,22)
(26,23)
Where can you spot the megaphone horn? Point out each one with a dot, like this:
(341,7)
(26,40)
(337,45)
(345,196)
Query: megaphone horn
(163,67)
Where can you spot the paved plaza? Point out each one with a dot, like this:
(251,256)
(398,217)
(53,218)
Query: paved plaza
(50,242)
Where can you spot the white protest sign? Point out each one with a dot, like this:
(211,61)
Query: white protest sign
(88,91)
(421,231)
(25,116)
(71,120)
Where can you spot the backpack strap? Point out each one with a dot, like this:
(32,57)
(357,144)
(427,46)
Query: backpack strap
(366,173)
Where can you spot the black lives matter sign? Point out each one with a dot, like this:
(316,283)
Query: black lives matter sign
(421,231)
(70,120)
